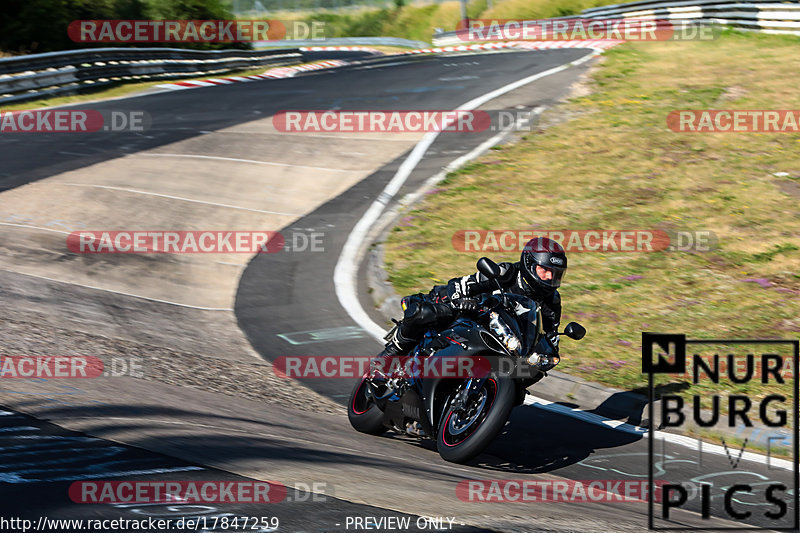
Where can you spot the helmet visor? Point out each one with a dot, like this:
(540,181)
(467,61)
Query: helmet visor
(550,276)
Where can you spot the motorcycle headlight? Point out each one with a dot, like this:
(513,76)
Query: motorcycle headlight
(513,344)
(510,341)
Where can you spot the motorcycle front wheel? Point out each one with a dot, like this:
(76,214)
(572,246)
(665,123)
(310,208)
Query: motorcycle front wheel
(362,412)
(465,431)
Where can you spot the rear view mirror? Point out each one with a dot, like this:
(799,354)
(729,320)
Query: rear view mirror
(488,268)
(575,331)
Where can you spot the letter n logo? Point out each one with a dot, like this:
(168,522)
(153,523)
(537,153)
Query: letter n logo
(670,352)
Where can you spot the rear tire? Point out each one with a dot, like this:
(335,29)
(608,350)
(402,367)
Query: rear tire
(466,433)
(362,412)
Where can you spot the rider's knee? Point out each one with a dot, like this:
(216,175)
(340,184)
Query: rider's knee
(417,311)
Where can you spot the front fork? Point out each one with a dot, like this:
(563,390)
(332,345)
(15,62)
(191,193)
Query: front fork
(471,388)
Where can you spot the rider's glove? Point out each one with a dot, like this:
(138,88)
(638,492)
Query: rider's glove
(458,288)
(465,305)
(553,338)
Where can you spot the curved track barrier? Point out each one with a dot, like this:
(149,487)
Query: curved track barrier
(771,17)
(55,73)
(766,16)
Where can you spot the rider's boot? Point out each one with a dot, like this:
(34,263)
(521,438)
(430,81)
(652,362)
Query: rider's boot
(397,346)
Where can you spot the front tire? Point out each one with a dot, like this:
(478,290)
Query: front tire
(362,412)
(465,433)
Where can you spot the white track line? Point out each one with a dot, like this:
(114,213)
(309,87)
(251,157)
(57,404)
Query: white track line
(178,304)
(431,182)
(215,204)
(672,438)
(344,275)
(271,163)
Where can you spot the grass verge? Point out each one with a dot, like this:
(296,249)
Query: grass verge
(612,163)
(420,21)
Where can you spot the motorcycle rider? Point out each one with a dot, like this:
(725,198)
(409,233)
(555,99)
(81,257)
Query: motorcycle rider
(538,275)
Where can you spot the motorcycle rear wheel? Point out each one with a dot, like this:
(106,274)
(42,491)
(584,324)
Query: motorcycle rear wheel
(362,412)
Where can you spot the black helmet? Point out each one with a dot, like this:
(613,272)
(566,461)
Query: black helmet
(545,253)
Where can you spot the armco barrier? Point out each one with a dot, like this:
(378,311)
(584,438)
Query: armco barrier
(766,16)
(769,16)
(39,75)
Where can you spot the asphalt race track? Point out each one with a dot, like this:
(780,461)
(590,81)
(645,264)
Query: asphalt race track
(44,473)
(211,157)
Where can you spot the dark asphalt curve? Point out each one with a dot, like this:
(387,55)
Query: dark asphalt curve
(411,83)
(281,296)
(40,461)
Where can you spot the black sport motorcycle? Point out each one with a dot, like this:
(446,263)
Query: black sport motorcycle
(463,412)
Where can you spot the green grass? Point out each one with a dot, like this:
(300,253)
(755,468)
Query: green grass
(419,22)
(408,22)
(533,9)
(614,164)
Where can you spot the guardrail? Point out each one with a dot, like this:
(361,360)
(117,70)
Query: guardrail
(769,16)
(39,75)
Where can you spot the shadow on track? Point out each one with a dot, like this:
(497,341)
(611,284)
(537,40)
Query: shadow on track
(538,441)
